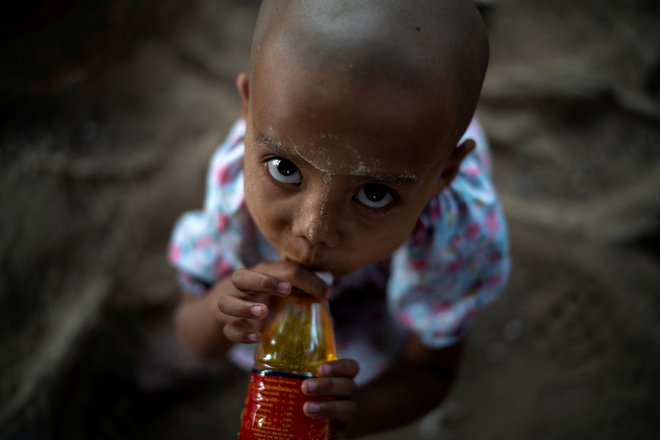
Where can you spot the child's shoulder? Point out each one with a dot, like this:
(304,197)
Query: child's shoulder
(233,145)
(224,185)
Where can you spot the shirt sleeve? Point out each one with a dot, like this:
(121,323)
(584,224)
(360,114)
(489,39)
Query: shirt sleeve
(457,259)
(205,244)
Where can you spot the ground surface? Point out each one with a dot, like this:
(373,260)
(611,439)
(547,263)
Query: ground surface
(109,113)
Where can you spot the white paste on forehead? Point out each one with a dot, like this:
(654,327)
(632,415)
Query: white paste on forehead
(360,167)
(311,161)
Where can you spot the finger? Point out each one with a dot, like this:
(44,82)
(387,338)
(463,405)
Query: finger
(253,281)
(339,368)
(240,308)
(242,331)
(341,410)
(329,386)
(303,279)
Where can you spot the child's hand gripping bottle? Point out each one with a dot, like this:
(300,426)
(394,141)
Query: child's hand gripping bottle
(297,338)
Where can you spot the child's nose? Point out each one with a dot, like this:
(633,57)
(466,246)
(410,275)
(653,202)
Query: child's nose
(317,221)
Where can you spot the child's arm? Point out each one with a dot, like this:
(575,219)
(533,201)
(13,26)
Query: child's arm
(410,388)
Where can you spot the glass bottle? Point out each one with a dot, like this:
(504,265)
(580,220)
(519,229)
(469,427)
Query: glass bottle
(297,338)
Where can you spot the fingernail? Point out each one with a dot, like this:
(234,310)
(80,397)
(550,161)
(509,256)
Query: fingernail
(313,407)
(253,337)
(283,287)
(311,385)
(324,370)
(257,311)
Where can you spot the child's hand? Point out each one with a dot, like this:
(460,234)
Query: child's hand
(336,380)
(244,299)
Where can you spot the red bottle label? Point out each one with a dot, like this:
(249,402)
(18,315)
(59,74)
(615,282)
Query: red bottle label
(273,410)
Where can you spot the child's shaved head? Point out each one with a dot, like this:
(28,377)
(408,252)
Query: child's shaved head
(437,48)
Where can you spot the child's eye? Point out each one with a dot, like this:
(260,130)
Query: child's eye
(375,196)
(284,171)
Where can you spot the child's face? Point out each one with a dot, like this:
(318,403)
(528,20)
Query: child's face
(336,174)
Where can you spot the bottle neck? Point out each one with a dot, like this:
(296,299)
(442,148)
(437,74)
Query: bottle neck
(298,336)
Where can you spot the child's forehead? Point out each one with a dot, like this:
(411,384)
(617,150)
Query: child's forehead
(343,158)
(337,120)
(331,102)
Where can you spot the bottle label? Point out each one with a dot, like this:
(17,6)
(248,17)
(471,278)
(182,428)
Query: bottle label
(273,410)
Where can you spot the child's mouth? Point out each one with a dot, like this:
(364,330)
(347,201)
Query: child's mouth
(307,265)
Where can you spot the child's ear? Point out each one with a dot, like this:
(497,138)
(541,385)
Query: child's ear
(243,86)
(455,159)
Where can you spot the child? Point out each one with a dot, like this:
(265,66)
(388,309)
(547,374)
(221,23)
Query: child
(352,157)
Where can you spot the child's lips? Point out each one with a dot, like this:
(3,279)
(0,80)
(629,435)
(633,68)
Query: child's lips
(317,265)
(307,264)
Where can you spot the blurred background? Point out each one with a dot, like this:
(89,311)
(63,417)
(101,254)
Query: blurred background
(109,112)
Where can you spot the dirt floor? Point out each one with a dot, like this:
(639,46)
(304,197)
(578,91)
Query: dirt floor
(109,113)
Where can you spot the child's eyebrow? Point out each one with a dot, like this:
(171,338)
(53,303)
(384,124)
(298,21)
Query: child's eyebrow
(272,143)
(360,172)
(391,179)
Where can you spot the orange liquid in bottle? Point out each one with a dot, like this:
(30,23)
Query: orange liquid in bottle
(297,338)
